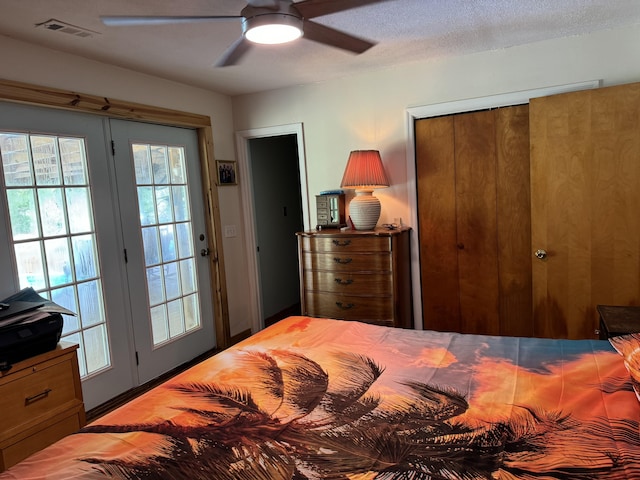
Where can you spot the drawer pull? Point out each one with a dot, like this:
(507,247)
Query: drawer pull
(339,281)
(341,261)
(38,396)
(347,306)
(338,243)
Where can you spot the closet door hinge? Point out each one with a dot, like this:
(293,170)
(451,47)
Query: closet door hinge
(126,258)
(137,359)
(113,148)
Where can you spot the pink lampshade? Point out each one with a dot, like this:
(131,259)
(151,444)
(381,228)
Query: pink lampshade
(364,170)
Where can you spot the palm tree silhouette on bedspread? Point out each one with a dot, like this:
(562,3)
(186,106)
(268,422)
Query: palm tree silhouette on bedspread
(296,425)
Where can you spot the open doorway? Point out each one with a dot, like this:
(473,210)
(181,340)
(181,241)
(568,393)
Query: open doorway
(278,216)
(276,206)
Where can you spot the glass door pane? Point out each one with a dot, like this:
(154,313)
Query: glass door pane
(167,240)
(53,235)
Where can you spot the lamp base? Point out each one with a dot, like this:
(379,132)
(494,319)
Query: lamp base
(364,210)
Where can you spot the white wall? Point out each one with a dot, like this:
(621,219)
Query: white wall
(369,111)
(363,111)
(27,63)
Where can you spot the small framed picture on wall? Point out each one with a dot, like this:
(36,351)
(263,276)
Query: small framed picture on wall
(227,172)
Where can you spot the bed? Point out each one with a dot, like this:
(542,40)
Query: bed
(315,398)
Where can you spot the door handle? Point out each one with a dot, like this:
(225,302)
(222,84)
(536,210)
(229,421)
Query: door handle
(205,252)
(541,254)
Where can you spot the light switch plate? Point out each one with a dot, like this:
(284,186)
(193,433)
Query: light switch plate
(230,231)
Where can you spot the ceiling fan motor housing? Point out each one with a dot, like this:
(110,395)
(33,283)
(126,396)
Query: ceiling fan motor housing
(284,16)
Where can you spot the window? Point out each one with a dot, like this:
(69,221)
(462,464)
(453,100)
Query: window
(165,220)
(53,235)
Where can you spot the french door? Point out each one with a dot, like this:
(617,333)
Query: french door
(162,215)
(79,222)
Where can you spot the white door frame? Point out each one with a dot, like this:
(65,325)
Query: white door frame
(246,192)
(450,108)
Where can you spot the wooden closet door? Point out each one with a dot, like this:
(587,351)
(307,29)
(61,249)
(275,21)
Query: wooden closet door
(513,207)
(477,242)
(436,183)
(473,200)
(585,173)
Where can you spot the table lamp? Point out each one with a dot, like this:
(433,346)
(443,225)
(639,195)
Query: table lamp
(364,173)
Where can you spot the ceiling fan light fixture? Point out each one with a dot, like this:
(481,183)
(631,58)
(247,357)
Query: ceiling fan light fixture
(272,28)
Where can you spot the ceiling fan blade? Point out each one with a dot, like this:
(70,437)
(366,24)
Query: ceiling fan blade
(317,8)
(234,52)
(330,36)
(128,21)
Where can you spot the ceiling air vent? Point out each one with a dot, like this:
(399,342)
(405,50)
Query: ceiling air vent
(58,26)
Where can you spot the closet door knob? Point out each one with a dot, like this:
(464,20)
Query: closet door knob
(541,254)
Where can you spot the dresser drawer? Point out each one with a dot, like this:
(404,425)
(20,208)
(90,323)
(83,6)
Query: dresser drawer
(374,309)
(348,283)
(322,201)
(40,402)
(22,446)
(323,218)
(34,393)
(352,243)
(347,262)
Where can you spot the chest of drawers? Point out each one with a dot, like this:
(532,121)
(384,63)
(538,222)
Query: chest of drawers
(357,275)
(41,402)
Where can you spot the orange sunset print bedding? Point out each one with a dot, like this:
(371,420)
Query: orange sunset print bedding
(328,399)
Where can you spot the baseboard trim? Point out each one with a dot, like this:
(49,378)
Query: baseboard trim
(134,392)
(294,309)
(125,397)
(240,336)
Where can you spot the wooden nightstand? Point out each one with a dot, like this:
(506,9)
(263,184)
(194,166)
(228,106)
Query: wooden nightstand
(41,402)
(618,320)
(357,275)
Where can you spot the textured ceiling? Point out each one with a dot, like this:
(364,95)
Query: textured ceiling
(406,31)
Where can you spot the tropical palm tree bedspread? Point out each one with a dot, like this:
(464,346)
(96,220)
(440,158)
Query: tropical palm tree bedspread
(327,399)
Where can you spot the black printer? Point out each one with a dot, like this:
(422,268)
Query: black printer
(29,325)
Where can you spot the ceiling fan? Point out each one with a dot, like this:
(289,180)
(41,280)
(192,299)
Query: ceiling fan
(270,21)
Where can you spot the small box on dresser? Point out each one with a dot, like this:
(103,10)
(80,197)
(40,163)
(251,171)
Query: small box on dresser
(357,275)
(330,210)
(41,402)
